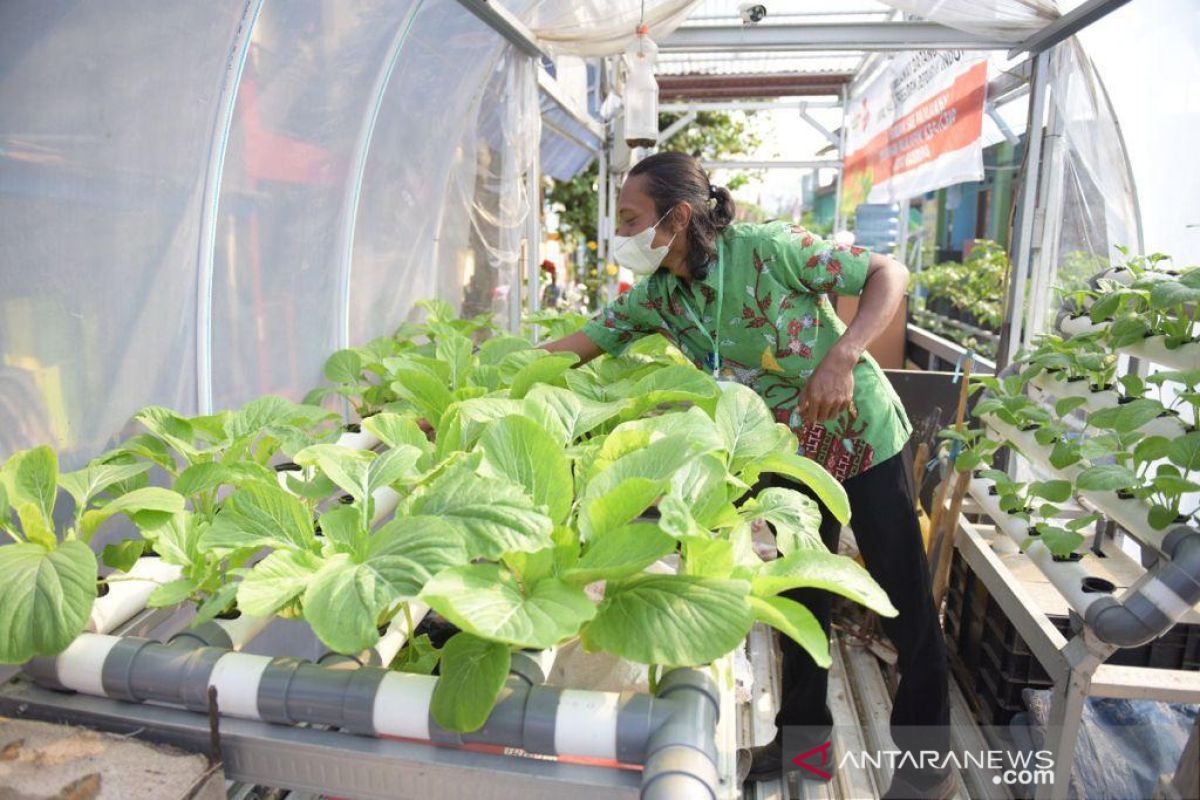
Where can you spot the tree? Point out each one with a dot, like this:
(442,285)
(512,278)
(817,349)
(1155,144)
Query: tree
(712,135)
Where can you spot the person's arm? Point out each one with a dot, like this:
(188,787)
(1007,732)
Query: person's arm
(830,389)
(578,343)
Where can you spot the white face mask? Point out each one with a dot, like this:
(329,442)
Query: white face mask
(636,254)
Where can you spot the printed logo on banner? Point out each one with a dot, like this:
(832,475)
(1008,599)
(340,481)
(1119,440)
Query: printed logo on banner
(915,128)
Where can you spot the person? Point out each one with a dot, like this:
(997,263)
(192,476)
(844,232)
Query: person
(748,302)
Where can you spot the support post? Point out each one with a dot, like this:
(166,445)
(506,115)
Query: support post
(838,222)
(1010,331)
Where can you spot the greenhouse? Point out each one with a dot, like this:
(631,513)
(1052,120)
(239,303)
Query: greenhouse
(670,399)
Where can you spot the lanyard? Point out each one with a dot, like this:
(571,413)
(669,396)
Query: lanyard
(713,340)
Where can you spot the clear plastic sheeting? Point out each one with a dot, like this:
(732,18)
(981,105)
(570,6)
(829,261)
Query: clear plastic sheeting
(107,112)
(415,237)
(1002,19)
(603,27)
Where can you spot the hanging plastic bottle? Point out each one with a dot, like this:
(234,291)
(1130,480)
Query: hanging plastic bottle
(641,91)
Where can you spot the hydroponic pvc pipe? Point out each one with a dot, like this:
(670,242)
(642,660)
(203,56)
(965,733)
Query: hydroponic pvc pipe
(363,440)
(243,628)
(672,733)
(1067,576)
(1131,514)
(1170,426)
(1152,607)
(385,650)
(128,593)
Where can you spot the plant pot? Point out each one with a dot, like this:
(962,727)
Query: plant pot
(1181,519)
(1125,494)
(1094,585)
(1032,531)
(993,490)
(1068,558)
(230,614)
(289,466)
(1076,378)
(1123,401)
(345,499)
(1029,428)
(352,427)
(101,588)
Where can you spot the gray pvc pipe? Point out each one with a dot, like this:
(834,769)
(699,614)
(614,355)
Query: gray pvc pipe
(681,761)
(673,734)
(1158,603)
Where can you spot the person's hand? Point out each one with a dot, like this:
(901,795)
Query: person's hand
(830,388)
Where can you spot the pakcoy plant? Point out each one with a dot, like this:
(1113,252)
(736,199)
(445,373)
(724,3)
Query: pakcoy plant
(48,579)
(204,458)
(1039,504)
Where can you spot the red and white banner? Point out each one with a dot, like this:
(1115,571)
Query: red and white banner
(916,127)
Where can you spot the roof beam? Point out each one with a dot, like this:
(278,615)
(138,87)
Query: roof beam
(551,90)
(1067,25)
(820,163)
(766,105)
(505,23)
(854,36)
(672,87)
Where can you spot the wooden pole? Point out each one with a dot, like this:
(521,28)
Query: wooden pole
(919,471)
(942,541)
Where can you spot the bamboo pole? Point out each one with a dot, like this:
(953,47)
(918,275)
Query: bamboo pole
(942,541)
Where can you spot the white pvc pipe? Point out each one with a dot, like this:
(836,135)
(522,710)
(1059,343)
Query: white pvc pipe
(585,724)
(1074,326)
(1066,576)
(236,677)
(1154,350)
(364,440)
(1170,426)
(81,665)
(402,705)
(129,591)
(244,628)
(386,500)
(1131,514)
(397,633)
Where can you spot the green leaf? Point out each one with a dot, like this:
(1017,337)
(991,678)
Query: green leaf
(823,570)
(174,431)
(546,369)
(1061,542)
(360,472)
(473,673)
(260,516)
(343,527)
(279,579)
(1161,516)
(796,518)
(1064,454)
(675,620)
(1152,448)
(215,604)
(342,603)
(93,479)
(397,429)
(1068,404)
(406,553)
(418,657)
(486,600)
(161,503)
(171,594)
(1174,485)
(812,475)
(797,622)
(1105,478)
(745,425)
(1054,491)
(673,384)
(428,395)
(46,596)
(1185,451)
(35,483)
(455,352)
(495,349)
(1169,294)
(623,503)
(493,516)
(123,555)
(620,553)
(709,558)
(202,477)
(344,366)
(519,450)
(1126,418)
(579,415)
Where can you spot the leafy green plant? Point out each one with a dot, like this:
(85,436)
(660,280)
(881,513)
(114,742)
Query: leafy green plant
(48,575)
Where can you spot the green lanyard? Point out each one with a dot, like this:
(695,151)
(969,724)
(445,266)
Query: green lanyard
(713,340)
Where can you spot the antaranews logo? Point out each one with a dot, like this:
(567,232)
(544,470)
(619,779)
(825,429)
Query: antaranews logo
(1011,768)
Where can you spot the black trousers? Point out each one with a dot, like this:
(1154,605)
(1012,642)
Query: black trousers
(888,534)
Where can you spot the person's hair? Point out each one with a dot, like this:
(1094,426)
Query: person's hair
(674,178)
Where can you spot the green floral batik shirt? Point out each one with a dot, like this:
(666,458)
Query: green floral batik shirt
(776,324)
